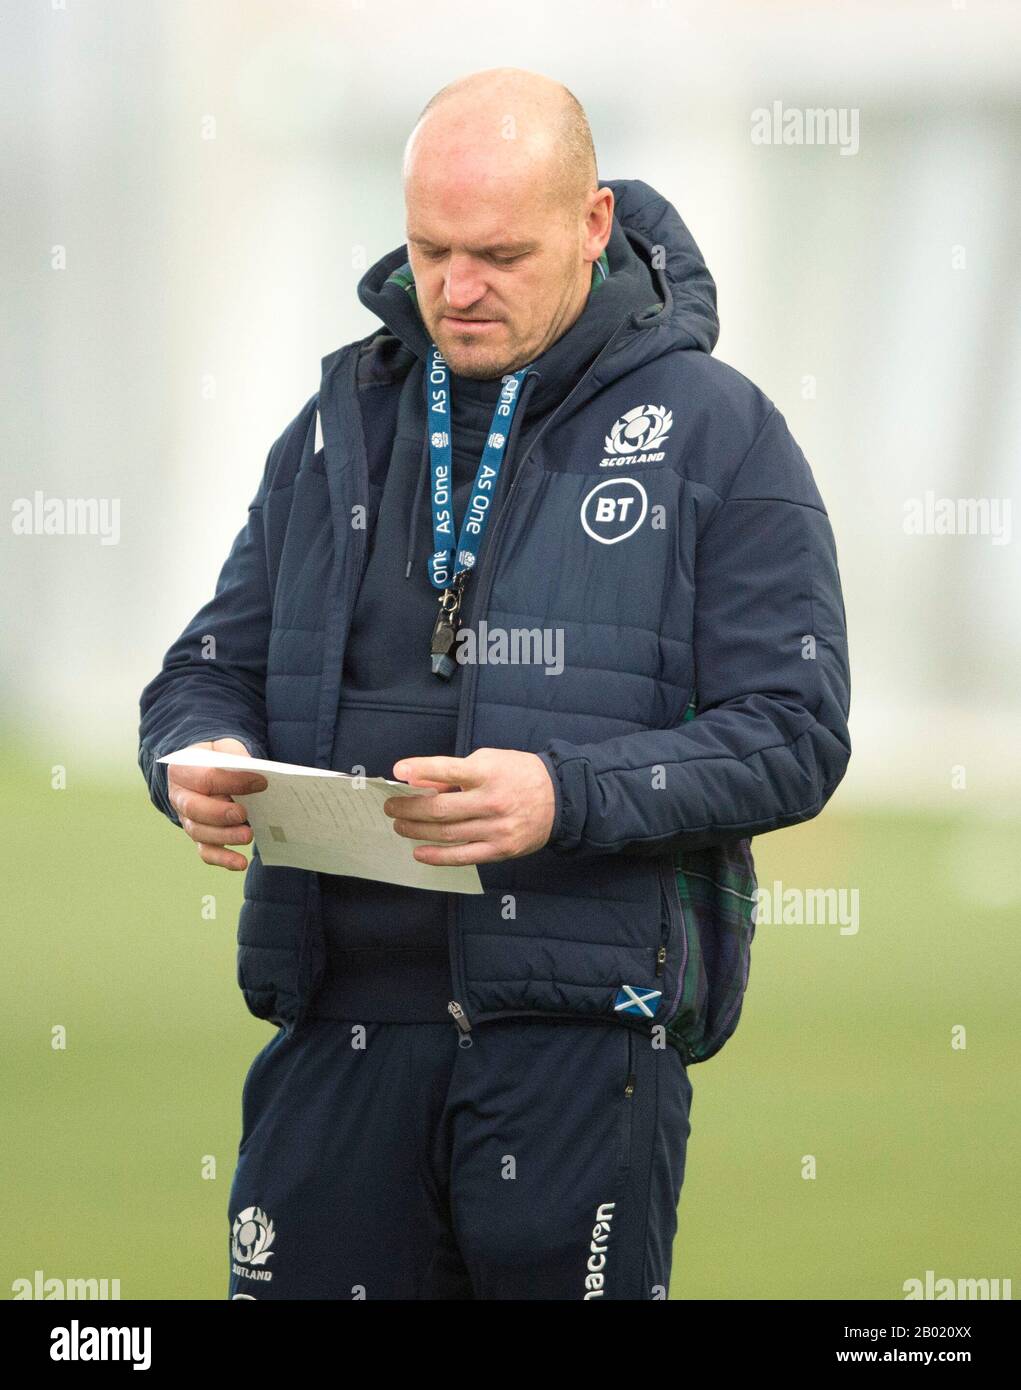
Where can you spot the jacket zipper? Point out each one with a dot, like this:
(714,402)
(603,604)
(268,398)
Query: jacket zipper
(666,928)
(629,1084)
(674,897)
(627,1115)
(487,570)
(358,565)
(461,1019)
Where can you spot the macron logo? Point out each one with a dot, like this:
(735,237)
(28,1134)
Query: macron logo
(595,1279)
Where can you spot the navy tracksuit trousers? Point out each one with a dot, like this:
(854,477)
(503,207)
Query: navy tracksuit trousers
(387,1161)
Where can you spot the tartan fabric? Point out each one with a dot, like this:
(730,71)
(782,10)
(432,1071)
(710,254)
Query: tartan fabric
(716,889)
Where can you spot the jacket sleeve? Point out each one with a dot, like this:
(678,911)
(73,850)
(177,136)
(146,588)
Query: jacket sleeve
(768,742)
(212,682)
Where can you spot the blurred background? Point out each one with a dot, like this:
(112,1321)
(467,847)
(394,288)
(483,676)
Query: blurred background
(191,193)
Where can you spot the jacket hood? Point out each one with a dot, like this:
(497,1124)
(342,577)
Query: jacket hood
(681,305)
(687,290)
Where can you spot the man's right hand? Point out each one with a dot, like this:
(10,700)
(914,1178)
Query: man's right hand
(201,796)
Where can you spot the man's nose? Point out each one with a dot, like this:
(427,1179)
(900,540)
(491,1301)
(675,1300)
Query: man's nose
(463,285)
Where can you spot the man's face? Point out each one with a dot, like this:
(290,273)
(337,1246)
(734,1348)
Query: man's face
(497,276)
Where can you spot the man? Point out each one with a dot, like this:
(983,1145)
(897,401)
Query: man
(487,1096)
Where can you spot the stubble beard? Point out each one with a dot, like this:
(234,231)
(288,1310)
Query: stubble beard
(467,360)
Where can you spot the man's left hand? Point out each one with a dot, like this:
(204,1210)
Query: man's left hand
(504,808)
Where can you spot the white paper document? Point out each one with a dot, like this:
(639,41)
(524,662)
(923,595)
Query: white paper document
(333,823)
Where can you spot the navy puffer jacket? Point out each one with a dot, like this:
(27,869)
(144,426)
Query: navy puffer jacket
(664,519)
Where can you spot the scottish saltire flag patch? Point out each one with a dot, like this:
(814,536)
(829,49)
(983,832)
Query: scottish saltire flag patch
(633,999)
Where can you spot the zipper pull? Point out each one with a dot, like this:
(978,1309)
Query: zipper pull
(629,1088)
(461,1019)
(660,960)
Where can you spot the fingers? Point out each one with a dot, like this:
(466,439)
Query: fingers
(213,823)
(216,781)
(208,810)
(455,831)
(477,852)
(201,796)
(444,806)
(222,858)
(461,772)
(216,834)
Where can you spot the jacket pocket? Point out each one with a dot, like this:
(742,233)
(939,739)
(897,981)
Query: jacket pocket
(672,953)
(716,895)
(684,984)
(626,1102)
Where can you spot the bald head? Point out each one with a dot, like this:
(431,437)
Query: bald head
(505,217)
(514,119)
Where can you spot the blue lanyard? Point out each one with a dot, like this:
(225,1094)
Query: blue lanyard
(444,569)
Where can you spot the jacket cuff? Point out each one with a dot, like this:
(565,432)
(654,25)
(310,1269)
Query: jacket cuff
(558,795)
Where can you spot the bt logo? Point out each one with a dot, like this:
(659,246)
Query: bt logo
(614,510)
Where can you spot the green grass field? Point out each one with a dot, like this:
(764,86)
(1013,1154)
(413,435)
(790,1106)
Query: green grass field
(843,1052)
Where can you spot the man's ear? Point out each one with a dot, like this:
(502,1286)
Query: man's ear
(604,196)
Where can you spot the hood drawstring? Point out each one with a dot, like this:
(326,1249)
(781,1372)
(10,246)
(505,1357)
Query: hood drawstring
(532,379)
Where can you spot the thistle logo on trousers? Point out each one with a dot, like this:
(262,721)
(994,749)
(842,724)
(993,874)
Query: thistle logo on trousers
(614,510)
(251,1236)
